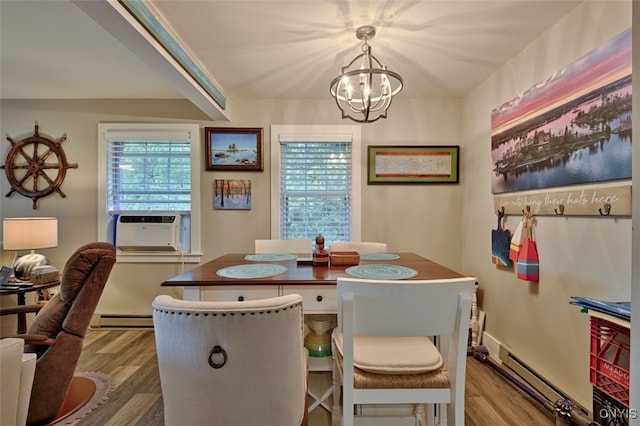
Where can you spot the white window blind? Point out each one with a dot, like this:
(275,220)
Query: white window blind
(315,189)
(148,175)
(155,168)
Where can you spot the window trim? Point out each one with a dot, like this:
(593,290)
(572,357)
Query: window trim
(317,133)
(152,130)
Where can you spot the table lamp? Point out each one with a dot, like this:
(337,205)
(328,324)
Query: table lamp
(29,233)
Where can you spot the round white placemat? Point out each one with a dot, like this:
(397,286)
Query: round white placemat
(381,272)
(257,270)
(379,256)
(270,257)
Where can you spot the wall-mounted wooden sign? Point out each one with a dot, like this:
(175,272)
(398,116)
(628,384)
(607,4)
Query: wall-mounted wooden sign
(577,201)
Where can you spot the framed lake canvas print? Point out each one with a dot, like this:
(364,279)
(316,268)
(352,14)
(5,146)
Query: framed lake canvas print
(232,148)
(412,164)
(572,128)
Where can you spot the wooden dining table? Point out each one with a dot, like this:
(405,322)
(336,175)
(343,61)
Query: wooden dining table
(298,276)
(301,274)
(316,283)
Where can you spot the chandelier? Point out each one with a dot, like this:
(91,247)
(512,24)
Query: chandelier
(365,88)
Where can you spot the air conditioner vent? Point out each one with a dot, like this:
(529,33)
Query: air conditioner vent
(147,219)
(136,232)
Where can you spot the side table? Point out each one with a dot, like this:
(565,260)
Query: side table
(22,309)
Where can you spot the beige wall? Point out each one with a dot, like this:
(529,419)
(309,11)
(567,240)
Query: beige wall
(448,223)
(410,218)
(130,287)
(578,256)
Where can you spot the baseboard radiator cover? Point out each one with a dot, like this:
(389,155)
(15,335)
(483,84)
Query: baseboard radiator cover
(536,381)
(122,320)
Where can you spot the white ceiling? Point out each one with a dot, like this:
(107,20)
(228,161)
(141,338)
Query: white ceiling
(52,49)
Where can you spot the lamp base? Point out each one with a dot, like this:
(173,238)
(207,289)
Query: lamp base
(23,267)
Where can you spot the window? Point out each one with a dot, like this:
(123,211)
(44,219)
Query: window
(150,169)
(151,175)
(315,182)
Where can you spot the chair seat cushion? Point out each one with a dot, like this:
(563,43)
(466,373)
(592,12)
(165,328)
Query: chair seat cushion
(393,354)
(437,379)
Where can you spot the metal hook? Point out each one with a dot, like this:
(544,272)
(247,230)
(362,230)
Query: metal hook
(501,217)
(561,208)
(607,210)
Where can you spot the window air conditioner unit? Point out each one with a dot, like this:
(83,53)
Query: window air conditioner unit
(148,233)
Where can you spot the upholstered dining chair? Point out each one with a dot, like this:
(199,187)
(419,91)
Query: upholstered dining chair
(283,246)
(231,363)
(57,333)
(360,247)
(383,345)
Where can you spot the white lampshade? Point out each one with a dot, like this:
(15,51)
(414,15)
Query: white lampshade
(29,233)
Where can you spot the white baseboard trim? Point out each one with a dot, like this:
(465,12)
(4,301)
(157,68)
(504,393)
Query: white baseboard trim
(493,346)
(119,320)
(500,354)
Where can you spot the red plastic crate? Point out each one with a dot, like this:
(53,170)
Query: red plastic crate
(609,360)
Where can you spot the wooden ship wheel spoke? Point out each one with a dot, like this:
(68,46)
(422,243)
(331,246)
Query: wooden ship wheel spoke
(36,167)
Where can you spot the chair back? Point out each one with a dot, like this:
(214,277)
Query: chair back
(283,246)
(66,318)
(406,307)
(231,363)
(360,247)
(435,308)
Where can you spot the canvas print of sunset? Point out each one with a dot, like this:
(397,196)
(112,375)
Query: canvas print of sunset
(572,128)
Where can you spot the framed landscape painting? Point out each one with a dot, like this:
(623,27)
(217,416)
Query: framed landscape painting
(412,164)
(231,194)
(230,148)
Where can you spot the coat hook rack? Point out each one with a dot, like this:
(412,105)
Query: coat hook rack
(607,210)
(563,202)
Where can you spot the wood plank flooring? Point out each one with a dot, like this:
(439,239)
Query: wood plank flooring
(129,355)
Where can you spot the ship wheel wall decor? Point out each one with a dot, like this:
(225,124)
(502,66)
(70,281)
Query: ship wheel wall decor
(36,167)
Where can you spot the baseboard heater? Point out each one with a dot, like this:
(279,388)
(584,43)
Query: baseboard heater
(125,321)
(543,386)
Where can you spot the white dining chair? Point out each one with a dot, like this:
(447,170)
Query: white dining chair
(283,246)
(360,247)
(232,363)
(383,346)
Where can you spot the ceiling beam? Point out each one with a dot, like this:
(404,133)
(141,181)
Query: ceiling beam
(177,66)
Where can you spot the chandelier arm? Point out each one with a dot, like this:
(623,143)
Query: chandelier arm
(336,81)
(346,68)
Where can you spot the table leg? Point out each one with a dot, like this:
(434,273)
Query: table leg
(191,293)
(336,382)
(22,317)
(475,326)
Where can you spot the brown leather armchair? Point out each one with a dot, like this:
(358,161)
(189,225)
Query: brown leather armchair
(57,333)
